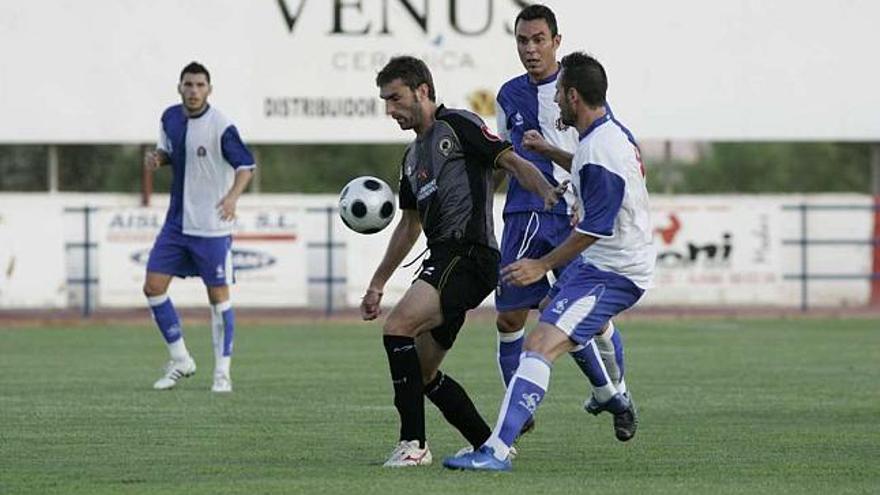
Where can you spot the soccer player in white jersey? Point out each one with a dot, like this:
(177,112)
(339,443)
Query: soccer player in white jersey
(211,168)
(528,117)
(609,254)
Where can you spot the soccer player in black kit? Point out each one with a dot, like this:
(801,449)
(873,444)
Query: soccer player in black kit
(446,191)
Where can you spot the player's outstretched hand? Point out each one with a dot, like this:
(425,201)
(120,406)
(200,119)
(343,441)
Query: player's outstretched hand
(523,272)
(533,140)
(370,304)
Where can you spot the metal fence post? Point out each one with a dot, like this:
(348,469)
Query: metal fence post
(330,280)
(87,266)
(328,309)
(804,265)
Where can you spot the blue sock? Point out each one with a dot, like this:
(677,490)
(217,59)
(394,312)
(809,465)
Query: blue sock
(589,361)
(222,334)
(526,390)
(618,351)
(509,348)
(166,318)
(228,330)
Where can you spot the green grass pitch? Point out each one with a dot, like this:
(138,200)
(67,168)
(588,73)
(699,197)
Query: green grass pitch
(740,406)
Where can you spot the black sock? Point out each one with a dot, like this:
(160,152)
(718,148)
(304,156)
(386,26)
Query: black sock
(458,409)
(406,376)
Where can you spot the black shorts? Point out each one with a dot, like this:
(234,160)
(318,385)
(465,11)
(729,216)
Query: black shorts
(464,275)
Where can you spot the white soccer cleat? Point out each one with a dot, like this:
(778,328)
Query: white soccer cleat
(222,383)
(470,448)
(408,453)
(174,371)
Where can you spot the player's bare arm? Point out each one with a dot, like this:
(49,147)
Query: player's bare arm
(498,177)
(153,159)
(402,240)
(528,271)
(531,178)
(534,141)
(226,206)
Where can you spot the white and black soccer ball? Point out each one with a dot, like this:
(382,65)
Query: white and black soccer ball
(366,205)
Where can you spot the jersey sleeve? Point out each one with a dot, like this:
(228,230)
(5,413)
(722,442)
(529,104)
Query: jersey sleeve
(501,121)
(477,140)
(406,200)
(234,150)
(602,194)
(163,144)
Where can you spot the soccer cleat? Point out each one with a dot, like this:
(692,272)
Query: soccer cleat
(174,371)
(614,405)
(483,459)
(408,454)
(511,454)
(626,422)
(593,406)
(222,383)
(621,406)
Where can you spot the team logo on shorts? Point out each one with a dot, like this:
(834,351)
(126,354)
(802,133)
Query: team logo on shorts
(445,146)
(201,151)
(518,119)
(559,307)
(221,273)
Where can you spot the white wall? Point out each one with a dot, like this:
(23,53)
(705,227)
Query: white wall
(101,71)
(714,251)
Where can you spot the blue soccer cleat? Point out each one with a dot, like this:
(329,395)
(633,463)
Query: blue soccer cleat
(483,459)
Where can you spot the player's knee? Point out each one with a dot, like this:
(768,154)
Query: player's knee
(547,341)
(153,289)
(398,326)
(509,322)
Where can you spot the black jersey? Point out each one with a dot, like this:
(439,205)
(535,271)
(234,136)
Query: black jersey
(447,176)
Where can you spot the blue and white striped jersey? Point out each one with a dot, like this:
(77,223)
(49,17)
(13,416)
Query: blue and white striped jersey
(522,105)
(205,152)
(609,179)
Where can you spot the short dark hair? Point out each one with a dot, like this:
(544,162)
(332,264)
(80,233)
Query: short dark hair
(412,71)
(195,68)
(586,75)
(538,11)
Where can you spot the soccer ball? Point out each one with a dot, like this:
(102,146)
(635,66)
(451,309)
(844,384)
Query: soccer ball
(366,205)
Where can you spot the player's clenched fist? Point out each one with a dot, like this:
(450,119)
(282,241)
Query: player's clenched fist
(154,159)
(534,141)
(370,304)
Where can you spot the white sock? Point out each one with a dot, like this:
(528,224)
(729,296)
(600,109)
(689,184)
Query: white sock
(178,350)
(609,359)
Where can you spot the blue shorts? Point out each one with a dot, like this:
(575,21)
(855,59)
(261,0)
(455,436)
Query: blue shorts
(181,255)
(585,298)
(528,235)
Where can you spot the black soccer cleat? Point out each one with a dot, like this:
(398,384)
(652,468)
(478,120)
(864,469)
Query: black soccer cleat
(626,422)
(621,406)
(593,406)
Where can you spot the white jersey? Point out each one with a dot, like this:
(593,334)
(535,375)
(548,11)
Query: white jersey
(609,180)
(206,151)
